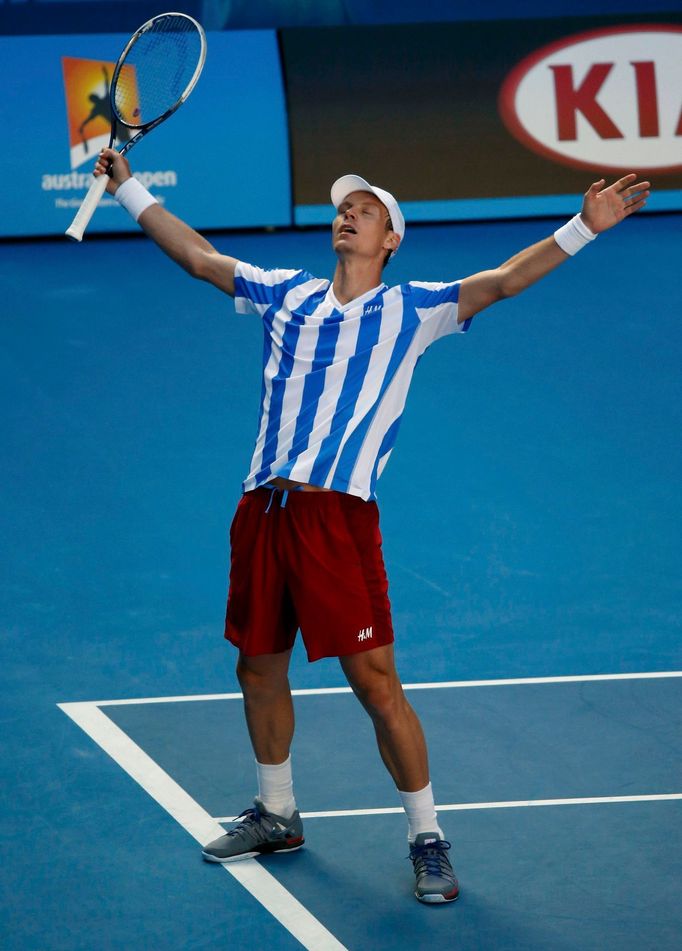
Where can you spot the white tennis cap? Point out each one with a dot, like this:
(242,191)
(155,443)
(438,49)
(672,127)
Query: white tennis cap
(343,187)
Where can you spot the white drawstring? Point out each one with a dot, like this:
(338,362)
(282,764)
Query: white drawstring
(273,489)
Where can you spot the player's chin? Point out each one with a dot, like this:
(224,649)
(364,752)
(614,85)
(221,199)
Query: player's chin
(342,242)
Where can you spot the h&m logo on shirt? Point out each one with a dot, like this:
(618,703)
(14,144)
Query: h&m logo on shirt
(365,634)
(371,309)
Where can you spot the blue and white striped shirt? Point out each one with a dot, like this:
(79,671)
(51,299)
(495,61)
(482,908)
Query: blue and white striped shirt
(336,376)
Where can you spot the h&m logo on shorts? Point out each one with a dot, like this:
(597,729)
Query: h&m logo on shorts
(365,634)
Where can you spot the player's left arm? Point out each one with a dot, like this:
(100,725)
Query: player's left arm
(602,209)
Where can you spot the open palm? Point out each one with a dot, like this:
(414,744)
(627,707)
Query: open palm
(605,207)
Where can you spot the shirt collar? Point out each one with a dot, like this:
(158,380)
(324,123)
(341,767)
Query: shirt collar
(368,295)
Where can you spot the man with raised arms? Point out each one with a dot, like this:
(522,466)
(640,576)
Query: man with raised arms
(306,547)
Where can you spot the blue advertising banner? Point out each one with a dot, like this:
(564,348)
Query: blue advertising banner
(222,161)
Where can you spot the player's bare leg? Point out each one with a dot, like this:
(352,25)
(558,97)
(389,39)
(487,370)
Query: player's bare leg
(273,824)
(267,704)
(374,681)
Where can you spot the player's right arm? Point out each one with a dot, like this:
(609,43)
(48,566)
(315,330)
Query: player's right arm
(181,243)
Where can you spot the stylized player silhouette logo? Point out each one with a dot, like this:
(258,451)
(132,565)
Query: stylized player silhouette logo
(101,108)
(87,85)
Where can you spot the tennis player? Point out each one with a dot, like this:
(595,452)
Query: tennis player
(306,547)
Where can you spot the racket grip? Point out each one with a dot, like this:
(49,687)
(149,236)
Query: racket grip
(87,208)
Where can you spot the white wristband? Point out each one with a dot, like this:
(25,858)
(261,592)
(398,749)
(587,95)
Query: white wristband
(134,197)
(572,236)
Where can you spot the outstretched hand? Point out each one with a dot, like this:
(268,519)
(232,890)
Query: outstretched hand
(605,207)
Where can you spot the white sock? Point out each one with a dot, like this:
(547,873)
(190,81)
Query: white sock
(276,788)
(421,813)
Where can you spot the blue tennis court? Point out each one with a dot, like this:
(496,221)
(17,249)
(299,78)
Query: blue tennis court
(530,516)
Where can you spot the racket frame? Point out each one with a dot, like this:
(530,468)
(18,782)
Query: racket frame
(146,127)
(98,186)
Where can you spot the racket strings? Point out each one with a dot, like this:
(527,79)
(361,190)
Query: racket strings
(157,70)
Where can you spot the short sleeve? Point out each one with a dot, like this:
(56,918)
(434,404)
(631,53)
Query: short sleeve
(256,289)
(436,305)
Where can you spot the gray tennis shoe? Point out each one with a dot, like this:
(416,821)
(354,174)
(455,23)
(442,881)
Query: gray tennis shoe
(436,881)
(259,833)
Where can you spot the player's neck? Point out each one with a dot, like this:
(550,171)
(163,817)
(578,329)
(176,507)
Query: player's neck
(354,277)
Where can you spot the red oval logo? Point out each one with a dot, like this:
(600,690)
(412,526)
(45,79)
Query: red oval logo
(609,99)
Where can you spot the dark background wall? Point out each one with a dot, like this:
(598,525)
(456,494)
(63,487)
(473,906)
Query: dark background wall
(417,107)
(103,16)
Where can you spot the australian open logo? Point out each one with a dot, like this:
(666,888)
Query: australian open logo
(87,84)
(88,109)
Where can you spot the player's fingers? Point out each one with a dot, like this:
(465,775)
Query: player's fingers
(110,160)
(636,204)
(624,181)
(596,186)
(640,193)
(635,198)
(635,189)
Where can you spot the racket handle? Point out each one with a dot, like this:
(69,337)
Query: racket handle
(87,208)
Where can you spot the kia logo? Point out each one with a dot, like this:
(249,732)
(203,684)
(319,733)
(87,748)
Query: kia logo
(609,99)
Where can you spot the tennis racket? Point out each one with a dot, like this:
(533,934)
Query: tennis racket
(154,75)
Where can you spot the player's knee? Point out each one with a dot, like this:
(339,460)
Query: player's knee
(382,697)
(248,676)
(256,678)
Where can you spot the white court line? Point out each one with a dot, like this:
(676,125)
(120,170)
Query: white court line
(203,827)
(315,691)
(466,806)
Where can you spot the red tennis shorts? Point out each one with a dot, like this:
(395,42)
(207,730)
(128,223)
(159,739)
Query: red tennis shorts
(308,560)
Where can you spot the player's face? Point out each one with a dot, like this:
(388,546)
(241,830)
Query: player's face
(360,226)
